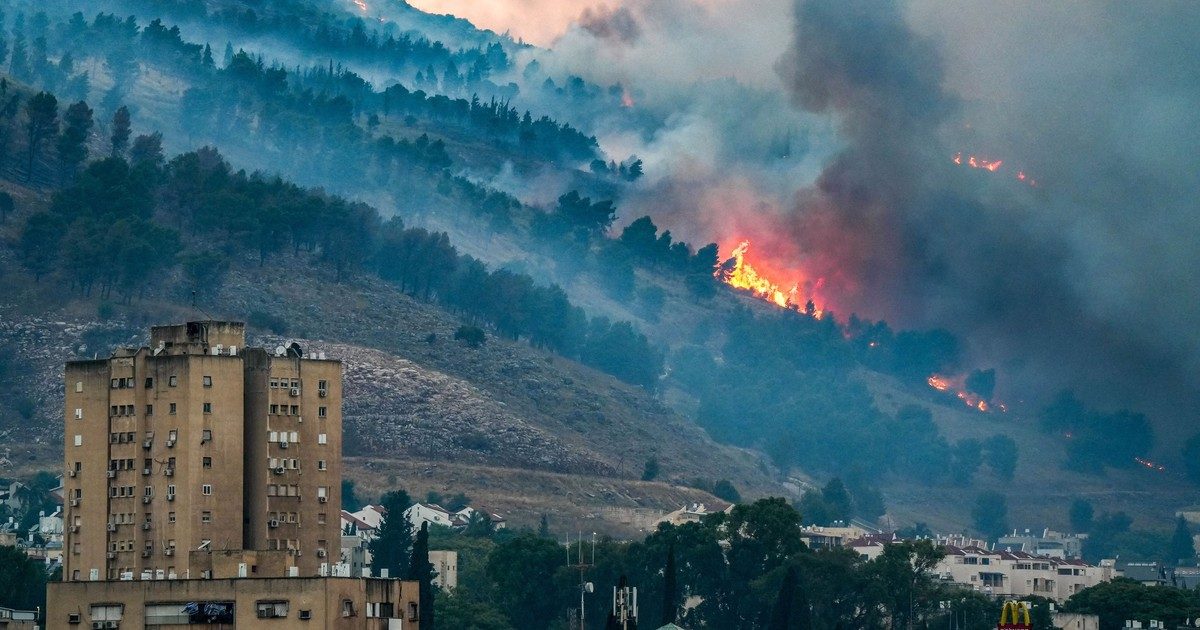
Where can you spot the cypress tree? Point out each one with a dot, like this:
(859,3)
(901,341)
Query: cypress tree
(421,571)
(791,607)
(670,590)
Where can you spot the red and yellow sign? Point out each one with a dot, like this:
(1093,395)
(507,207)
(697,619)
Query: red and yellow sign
(1014,616)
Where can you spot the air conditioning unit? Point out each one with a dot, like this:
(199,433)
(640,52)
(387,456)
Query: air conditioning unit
(112,527)
(306,614)
(264,613)
(145,471)
(74,502)
(97,625)
(112,555)
(170,443)
(320,553)
(72,473)
(171,496)
(74,529)
(112,624)
(146,500)
(283,444)
(295,391)
(279,471)
(147,444)
(112,474)
(146,526)
(323,499)
(73,618)
(169,552)
(322,392)
(170,472)
(273,523)
(146,553)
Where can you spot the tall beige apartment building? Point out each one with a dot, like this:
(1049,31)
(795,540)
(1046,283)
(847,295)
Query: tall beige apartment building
(196,443)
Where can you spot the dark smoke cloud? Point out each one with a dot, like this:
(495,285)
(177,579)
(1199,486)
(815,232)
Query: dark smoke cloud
(618,23)
(1089,280)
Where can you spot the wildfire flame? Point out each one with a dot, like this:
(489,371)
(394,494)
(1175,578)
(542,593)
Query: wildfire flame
(992,166)
(626,98)
(739,274)
(955,384)
(362,6)
(1149,464)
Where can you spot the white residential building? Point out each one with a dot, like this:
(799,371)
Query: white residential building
(1016,574)
(430,513)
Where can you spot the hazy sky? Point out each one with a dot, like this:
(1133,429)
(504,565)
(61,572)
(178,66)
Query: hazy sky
(536,21)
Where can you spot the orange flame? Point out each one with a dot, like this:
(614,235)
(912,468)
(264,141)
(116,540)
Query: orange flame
(992,166)
(1149,464)
(955,384)
(739,274)
(362,6)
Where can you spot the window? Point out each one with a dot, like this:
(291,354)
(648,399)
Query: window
(205,436)
(78,413)
(295,383)
(206,490)
(295,437)
(322,438)
(207,462)
(149,491)
(274,383)
(149,382)
(271,609)
(275,409)
(170,517)
(78,387)
(173,408)
(320,412)
(295,410)
(208,381)
(173,380)
(322,492)
(207,407)
(149,410)
(347,608)
(206,516)
(321,465)
(173,434)
(78,440)
(320,518)
(322,385)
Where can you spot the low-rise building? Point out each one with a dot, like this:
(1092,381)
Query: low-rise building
(244,603)
(1016,574)
(693,512)
(1076,621)
(11,619)
(445,565)
(1045,543)
(431,513)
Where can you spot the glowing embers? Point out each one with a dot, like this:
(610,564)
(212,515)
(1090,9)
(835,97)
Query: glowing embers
(977,162)
(954,385)
(740,274)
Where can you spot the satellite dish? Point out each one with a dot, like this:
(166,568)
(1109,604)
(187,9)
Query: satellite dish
(588,587)
(279,350)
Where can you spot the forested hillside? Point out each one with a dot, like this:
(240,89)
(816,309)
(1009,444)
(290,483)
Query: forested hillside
(149,171)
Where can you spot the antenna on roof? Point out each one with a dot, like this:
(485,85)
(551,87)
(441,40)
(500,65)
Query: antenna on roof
(202,311)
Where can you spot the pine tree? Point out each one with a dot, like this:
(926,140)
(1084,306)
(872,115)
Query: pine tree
(544,527)
(670,589)
(72,143)
(391,546)
(1182,549)
(42,121)
(421,571)
(121,130)
(207,58)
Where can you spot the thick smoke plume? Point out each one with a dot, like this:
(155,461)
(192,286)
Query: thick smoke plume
(1088,280)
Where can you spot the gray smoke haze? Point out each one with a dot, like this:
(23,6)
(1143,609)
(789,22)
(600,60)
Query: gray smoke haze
(1088,280)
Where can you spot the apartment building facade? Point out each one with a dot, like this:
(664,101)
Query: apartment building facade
(197,443)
